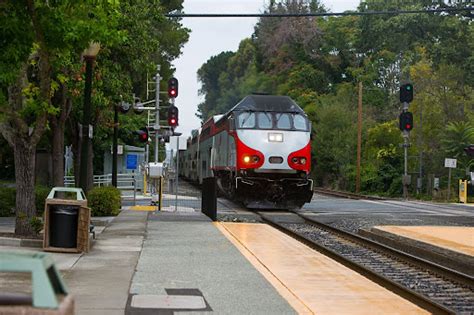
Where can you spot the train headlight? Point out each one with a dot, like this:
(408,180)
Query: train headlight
(246,159)
(275,137)
(303,161)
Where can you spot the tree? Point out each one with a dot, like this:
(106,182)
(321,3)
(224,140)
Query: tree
(39,37)
(458,135)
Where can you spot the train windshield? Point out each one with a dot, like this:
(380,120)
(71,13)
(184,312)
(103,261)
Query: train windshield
(267,120)
(300,122)
(264,120)
(246,120)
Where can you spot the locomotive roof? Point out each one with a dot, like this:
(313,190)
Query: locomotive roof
(267,103)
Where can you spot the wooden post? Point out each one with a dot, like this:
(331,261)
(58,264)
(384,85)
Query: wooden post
(359,138)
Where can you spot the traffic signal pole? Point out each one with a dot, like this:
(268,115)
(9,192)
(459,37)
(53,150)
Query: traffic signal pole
(157,117)
(406,135)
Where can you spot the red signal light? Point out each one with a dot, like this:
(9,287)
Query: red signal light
(173,87)
(173,116)
(142,135)
(406,121)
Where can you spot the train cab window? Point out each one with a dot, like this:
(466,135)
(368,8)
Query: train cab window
(300,122)
(283,121)
(264,120)
(246,120)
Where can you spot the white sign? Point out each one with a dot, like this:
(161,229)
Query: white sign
(182,143)
(91,131)
(119,149)
(451,163)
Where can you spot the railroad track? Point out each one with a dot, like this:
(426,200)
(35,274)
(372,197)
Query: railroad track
(345,194)
(433,287)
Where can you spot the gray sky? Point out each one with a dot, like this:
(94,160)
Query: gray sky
(211,36)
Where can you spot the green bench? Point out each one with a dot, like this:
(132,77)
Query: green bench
(46,280)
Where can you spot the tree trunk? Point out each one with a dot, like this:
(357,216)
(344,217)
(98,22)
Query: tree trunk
(25,186)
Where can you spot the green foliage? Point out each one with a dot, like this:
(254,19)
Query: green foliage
(104,201)
(8,198)
(458,135)
(37,224)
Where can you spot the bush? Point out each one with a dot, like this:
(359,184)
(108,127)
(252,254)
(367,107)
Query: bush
(8,198)
(7,201)
(104,201)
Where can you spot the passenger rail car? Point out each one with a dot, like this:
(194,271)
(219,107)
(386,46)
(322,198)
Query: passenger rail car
(259,152)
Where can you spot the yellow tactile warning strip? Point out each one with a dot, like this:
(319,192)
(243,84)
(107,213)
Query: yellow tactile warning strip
(311,282)
(144,208)
(456,238)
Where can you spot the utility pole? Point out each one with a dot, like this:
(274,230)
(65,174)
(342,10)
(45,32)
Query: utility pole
(359,137)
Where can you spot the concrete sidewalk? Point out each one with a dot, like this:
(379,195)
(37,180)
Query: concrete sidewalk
(186,256)
(100,279)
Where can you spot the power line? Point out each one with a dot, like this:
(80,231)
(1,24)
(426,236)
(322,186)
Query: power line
(252,15)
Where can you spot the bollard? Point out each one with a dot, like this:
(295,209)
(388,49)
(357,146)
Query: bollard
(209,198)
(134,191)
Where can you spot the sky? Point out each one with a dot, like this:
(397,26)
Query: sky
(211,36)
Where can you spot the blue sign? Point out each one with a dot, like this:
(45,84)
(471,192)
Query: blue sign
(132,160)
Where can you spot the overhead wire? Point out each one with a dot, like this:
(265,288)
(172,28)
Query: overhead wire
(315,14)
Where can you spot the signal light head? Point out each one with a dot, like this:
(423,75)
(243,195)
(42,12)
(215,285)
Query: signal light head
(173,87)
(173,116)
(406,121)
(142,135)
(406,93)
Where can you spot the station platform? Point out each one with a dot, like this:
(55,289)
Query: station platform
(455,238)
(181,262)
(245,268)
(449,246)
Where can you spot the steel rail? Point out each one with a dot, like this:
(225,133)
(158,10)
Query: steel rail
(409,294)
(345,194)
(452,274)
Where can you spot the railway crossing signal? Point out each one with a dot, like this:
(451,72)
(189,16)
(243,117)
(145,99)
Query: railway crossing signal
(406,121)
(173,88)
(142,135)
(173,116)
(406,93)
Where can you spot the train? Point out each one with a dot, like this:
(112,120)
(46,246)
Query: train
(259,152)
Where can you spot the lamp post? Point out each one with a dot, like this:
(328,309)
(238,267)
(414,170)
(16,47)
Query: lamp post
(89,55)
(114,147)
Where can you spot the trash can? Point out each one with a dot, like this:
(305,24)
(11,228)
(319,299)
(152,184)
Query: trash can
(63,226)
(66,221)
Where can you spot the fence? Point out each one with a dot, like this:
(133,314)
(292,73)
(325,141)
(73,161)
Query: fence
(126,181)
